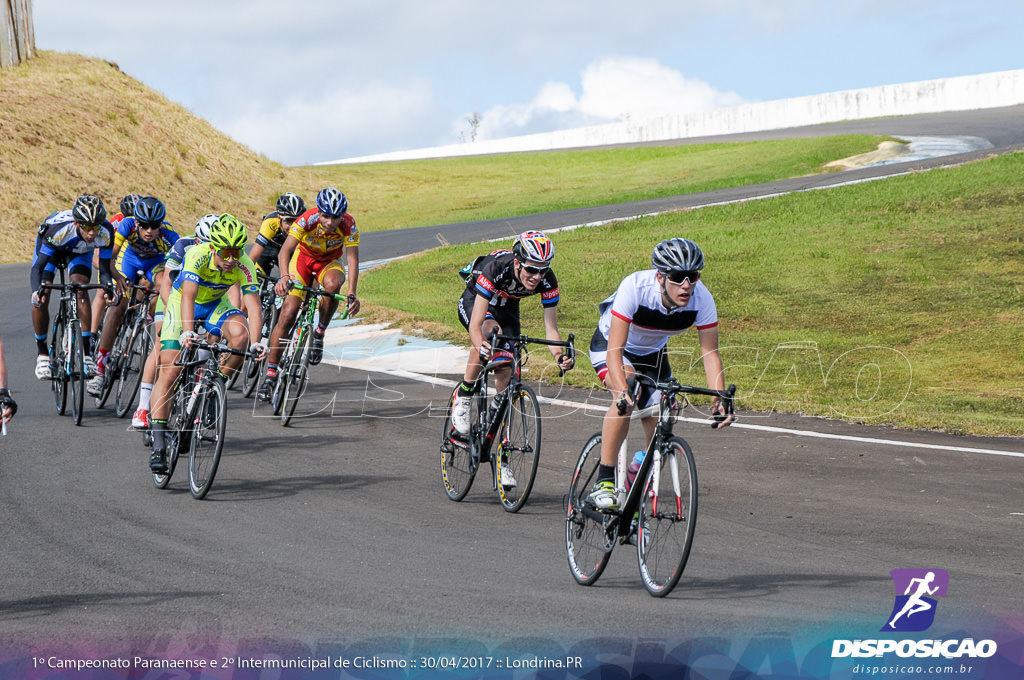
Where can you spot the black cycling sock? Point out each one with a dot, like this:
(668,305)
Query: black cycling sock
(467,389)
(41,347)
(605,473)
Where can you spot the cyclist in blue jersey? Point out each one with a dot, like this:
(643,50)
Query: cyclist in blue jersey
(99,303)
(636,322)
(140,244)
(67,239)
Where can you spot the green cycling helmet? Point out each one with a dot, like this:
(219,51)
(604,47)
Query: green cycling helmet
(228,232)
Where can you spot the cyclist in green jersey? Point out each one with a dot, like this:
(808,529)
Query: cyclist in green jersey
(200,295)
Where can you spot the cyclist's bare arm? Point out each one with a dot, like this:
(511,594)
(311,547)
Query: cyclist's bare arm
(284,259)
(708,338)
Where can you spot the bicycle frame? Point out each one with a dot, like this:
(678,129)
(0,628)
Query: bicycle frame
(485,431)
(667,410)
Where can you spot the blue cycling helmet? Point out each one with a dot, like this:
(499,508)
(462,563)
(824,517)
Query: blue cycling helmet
(331,202)
(150,210)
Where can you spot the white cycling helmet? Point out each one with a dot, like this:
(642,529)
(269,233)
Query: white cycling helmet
(203,227)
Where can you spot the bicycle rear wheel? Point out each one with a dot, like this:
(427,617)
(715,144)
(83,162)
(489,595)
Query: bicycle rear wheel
(58,365)
(112,369)
(176,438)
(519,451)
(668,518)
(458,468)
(589,534)
(77,377)
(130,373)
(209,427)
(295,379)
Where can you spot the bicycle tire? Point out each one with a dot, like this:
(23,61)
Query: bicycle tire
(77,377)
(666,529)
(519,448)
(458,469)
(130,374)
(252,370)
(209,428)
(589,535)
(175,438)
(112,369)
(58,365)
(295,378)
(277,397)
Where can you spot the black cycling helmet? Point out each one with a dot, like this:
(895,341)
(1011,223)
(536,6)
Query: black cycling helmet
(128,204)
(677,255)
(150,210)
(331,202)
(290,205)
(89,210)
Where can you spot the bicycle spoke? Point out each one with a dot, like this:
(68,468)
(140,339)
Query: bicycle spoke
(457,466)
(209,423)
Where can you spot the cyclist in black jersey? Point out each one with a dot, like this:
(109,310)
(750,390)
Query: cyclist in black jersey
(274,231)
(494,285)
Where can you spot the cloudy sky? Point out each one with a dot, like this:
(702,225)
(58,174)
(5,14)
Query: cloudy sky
(304,81)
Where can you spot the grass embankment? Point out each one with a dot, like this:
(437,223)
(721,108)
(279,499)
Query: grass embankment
(72,125)
(897,301)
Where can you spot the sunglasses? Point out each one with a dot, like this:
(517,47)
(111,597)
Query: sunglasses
(530,269)
(89,227)
(679,278)
(230,253)
(148,226)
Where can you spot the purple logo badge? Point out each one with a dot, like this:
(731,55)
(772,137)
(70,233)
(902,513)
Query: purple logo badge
(916,590)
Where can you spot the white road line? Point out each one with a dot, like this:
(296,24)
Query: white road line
(743,426)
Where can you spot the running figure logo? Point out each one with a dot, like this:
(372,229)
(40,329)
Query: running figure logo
(916,589)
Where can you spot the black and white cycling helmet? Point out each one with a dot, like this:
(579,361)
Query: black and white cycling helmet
(89,210)
(149,210)
(331,202)
(204,225)
(128,204)
(290,205)
(677,255)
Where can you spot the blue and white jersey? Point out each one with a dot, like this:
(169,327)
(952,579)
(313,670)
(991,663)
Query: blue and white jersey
(638,300)
(176,257)
(58,235)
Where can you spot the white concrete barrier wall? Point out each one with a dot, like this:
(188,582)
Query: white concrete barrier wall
(989,90)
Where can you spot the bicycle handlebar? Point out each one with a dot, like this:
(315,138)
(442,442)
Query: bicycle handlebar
(72,286)
(317,291)
(673,386)
(569,344)
(216,348)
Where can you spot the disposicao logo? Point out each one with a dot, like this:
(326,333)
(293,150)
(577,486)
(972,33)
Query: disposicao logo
(916,590)
(914,611)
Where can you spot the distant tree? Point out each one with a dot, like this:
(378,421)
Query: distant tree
(474,127)
(17,37)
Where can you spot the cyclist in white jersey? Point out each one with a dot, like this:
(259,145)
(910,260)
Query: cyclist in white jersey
(636,322)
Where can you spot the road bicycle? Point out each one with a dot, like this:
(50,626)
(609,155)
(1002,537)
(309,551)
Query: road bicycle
(293,369)
(127,357)
(197,420)
(511,417)
(658,512)
(67,351)
(269,309)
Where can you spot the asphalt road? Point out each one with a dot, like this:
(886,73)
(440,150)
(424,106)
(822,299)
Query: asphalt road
(335,533)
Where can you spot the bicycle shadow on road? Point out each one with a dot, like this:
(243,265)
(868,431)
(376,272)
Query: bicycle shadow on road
(746,586)
(269,489)
(47,605)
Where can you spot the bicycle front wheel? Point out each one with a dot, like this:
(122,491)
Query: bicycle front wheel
(77,377)
(58,365)
(458,469)
(130,374)
(295,379)
(176,438)
(209,427)
(589,533)
(112,370)
(668,518)
(519,450)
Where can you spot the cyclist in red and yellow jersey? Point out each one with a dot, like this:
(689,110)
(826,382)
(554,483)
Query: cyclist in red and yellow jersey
(312,252)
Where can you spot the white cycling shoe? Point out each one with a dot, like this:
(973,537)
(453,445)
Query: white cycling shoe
(43,367)
(460,415)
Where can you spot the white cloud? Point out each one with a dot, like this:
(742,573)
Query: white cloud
(613,88)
